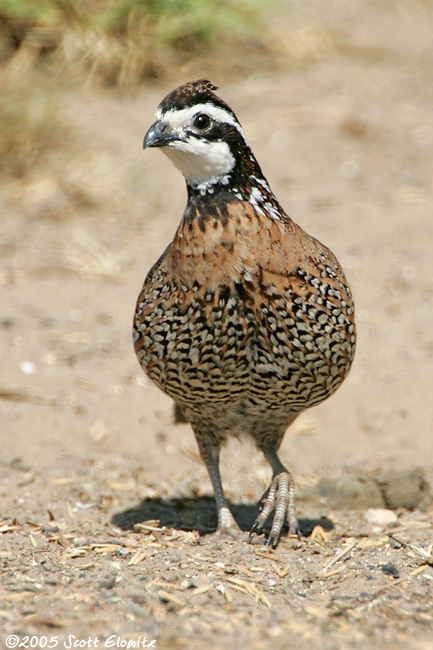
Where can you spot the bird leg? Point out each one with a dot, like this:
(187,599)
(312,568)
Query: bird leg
(279,497)
(226,522)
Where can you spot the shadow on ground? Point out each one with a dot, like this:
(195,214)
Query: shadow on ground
(199,513)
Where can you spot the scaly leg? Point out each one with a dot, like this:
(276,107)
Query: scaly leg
(226,522)
(281,498)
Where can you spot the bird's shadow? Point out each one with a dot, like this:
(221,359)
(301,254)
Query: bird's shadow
(199,513)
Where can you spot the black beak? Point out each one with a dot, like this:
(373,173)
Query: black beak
(158,135)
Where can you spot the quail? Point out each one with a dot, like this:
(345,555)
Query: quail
(245,320)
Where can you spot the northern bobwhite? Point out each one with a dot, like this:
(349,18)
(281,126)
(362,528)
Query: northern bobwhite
(245,320)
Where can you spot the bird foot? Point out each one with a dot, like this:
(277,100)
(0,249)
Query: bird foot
(227,526)
(232,533)
(280,497)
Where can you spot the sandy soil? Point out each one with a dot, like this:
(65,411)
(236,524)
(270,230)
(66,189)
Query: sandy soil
(90,458)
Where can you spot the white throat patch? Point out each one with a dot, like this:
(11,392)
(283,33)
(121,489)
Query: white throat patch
(202,163)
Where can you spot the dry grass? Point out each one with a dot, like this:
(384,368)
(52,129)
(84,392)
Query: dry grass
(29,115)
(121,43)
(48,47)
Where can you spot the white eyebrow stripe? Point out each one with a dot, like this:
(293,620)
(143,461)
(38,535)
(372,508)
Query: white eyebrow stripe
(181,118)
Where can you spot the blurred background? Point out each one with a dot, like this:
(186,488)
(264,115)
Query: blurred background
(54,53)
(336,99)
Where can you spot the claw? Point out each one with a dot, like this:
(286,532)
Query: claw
(280,497)
(272,541)
(255,530)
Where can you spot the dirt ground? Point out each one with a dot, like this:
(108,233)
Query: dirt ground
(105,509)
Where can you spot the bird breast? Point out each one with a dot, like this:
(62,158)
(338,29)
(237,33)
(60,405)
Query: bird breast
(239,307)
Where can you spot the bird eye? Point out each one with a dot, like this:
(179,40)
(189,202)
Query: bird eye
(202,121)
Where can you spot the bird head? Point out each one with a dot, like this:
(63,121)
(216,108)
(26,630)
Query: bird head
(200,133)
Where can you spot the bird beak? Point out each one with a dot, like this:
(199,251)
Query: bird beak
(159,135)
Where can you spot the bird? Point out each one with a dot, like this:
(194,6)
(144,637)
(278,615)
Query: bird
(245,320)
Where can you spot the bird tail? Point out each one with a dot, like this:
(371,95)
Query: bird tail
(178,416)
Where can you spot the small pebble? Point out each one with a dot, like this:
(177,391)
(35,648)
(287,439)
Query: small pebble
(381,517)
(50,530)
(27,367)
(139,598)
(391,570)
(138,611)
(108,584)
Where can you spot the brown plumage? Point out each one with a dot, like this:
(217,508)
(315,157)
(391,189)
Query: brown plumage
(245,320)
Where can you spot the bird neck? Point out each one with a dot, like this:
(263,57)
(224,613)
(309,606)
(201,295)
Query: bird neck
(245,183)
